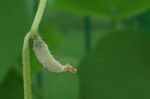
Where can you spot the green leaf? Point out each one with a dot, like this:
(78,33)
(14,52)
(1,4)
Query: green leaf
(119,68)
(61,86)
(12,86)
(14,24)
(103,8)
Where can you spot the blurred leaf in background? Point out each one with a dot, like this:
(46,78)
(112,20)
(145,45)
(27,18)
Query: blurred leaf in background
(12,86)
(118,68)
(14,21)
(141,22)
(144,20)
(103,8)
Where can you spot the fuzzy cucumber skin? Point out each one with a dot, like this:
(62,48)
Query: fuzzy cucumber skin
(45,57)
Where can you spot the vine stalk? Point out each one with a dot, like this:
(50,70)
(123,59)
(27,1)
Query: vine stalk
(26,53)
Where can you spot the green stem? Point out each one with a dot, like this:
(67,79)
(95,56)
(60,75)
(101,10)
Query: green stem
(26,70)
(26,76)
(38,17)
(25,52)
(35,88)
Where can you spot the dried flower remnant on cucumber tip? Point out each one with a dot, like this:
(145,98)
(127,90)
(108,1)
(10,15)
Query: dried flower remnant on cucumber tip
(46,58)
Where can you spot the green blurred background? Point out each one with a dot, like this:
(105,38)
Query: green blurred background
(107,40)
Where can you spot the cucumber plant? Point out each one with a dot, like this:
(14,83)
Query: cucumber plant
(41,51)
